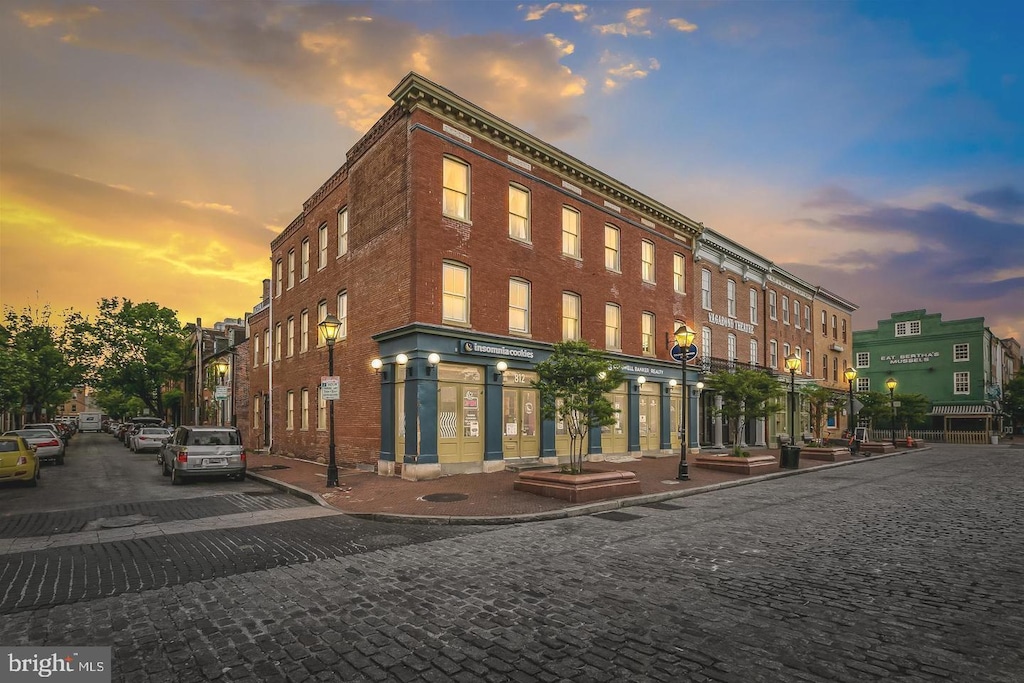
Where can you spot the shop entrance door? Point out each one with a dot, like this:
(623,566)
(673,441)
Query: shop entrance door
(614,438)
(520,419)
(650,417)
(460,413)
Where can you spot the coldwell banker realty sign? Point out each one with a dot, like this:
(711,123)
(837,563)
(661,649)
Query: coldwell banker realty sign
(78,664)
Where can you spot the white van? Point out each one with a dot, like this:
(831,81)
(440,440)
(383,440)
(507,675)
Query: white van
(90,422)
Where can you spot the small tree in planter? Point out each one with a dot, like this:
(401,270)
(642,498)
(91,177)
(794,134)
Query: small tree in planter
(745,393)
(820,401)
(573,383)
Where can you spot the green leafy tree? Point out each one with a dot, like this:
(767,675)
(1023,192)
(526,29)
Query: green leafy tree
(1013,399)
(35,353)
(820,402)
(745,393)
(913,410)
(135,349)
(573,382)
(875,408)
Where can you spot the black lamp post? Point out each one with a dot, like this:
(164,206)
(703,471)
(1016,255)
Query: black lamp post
(791,453)
(851,374)
(221,366)
(684,339)
(329,328)
(890,384)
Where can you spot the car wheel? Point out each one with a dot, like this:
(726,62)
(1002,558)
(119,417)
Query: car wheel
(35,480)
(164,470)
(175,477)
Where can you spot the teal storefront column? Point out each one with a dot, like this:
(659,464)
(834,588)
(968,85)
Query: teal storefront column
(692,400)
(387,414)
(494,450)
(420,413)
(666,418)
(633,428)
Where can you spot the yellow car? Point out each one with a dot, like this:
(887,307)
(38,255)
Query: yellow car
(18,461)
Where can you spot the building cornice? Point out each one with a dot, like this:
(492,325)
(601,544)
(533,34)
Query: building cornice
(416,92)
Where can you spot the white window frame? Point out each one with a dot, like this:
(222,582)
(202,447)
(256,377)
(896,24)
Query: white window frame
(519,224)
(289,414)
(785,311)
(962,383)
(255,350)
(304,408)
(342,232)
(613,251)
(753,306)
(705,340)
(278,333)
(343,314)
(863,384)
(679,273)
(705,289)
(572,308)
(863,359)
(571,222)
(961,353)
(754,358)
(796,313)
(266,346)
(808,323)
(730,297)
(773,305)
(647,256)
(773,354)
(730,348)
(455,179)
(452,299)
(304,260)
(291,336)
(647,327)
(304,331)
(612,326)
(519,292)
(280,276)
(321,258)
(808,370)
(291,268)
(321,409)
(321,314)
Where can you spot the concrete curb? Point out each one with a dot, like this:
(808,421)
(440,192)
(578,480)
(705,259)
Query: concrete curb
(575,511)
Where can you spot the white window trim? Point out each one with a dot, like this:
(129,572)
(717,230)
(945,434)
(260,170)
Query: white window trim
(467,195)
(528,238)
(645,265)
(966,358)
(866,359)
(466,308)
(967,380)
(342,232)
(579,230)
(525,310)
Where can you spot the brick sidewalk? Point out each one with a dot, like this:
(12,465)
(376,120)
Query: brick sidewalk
(485,495)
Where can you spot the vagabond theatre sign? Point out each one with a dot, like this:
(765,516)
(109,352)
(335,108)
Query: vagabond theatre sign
(910,357)
(484,349)
(731,323)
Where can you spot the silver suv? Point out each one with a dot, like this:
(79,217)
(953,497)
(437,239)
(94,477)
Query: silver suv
(203,451)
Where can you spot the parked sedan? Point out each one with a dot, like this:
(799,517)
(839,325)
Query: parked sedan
(203,450)
(46,444)
(149,439)
(18,462)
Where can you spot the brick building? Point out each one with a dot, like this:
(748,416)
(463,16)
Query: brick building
(455,249)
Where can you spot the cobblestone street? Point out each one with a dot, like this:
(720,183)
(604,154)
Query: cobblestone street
(903,568)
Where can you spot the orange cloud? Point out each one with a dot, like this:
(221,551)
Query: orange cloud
(634,24)
(682,25)
(578,11)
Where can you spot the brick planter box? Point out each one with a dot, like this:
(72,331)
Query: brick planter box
(729,463)
(877,447)
(826,453)
(579,488)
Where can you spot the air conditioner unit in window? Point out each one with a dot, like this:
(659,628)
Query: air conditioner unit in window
(836,347)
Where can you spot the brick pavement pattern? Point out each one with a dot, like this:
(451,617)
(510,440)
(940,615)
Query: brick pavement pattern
(901,568)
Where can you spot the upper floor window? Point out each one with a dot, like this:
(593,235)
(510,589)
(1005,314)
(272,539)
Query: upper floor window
(570,316)
(824,368)
(705,289)
(773,354)
(291,268)
(863,359)
(321,254)
(731,347)
(304,331)
(785,350)
(255,350)
(785,311)
(343,232)
(753,306)
(455,297)
(279,268)
(304,408)
(456,189)
(824,324)
(321,315)
(647,326)
(277,341)
(266,346)
(730,296)
(796,314)
(844,330)
(647,260)
(518,213)
(343,314)
(773,306)
(321,409)
(961,382)
(807,363)
(612,326)
(863,384)
(289,413)
(807,317)
(961,352)
(570,232)
(908,328)
(835,328)
(291,336)
(679,273)
(518,306)
(611,248)
(835,369)
(754,358)
(705,341)
(305,259)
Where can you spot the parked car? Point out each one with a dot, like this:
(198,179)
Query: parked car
(62,434)
(18,462)
(46,444)
(149,439)
(197,451)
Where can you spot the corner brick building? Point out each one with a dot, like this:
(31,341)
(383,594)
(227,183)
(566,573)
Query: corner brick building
(456,248)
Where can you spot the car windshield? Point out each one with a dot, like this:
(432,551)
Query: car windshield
(153,430)
(33,433)
(225,437)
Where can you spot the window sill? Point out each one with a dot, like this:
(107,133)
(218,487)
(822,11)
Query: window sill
(458,219)
(456,323)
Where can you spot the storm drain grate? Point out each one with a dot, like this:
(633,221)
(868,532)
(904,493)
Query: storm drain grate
(618,516)
(444,497)
(663,506)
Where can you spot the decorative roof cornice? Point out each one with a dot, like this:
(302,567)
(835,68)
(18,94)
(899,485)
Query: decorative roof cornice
(416,92)
(835,299)
(292,227)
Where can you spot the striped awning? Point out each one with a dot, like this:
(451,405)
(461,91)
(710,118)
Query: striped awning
(963,410)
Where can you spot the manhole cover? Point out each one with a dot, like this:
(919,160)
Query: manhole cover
(618,516)
(444,497)
(663,506)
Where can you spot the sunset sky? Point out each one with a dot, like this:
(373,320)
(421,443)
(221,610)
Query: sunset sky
(151,149)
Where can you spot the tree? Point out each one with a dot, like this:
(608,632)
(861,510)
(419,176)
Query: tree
(745,393)
(136,349)
(913,410)
(820,401)
(573,382)
(1013,399)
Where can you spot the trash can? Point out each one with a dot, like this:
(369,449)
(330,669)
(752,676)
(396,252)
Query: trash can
(790,459)
(995,440)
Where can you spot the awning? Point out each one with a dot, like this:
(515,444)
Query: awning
(963,410)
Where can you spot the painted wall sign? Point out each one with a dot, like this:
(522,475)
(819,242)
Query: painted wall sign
(910,358)
(483,349)
(731,323)
(642,370)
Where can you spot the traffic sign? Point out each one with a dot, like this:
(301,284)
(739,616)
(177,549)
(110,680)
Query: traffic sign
(330,388)
(220,393)
(691,352)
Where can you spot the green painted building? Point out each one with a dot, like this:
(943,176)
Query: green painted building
(950,362)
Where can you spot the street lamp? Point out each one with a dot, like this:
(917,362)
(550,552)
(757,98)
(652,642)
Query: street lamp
(851,374)
(890,384)
(221,367)
(791,454)
(329,328)
(684,338)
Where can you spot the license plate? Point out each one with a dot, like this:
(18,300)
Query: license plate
(214,462)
